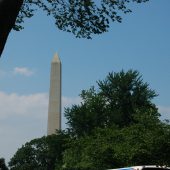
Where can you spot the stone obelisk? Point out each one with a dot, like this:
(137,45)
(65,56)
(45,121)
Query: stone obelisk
(54,108)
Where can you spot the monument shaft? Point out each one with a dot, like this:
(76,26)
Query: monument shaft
(54,109)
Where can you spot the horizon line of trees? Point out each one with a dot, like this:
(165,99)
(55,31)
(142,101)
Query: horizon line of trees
(115,125)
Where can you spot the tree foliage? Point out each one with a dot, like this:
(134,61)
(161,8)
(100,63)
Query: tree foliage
(143,143)
(40,154)
(116,125)
(2,164)
(81,17)
(118,98)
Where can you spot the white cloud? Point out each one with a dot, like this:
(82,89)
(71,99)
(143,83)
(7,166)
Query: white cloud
(24,117)
(22,105)
(23,71)
(28,105)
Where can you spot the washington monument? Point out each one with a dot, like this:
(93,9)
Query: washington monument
(54,108)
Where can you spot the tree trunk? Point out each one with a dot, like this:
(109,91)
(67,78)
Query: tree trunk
(9,10)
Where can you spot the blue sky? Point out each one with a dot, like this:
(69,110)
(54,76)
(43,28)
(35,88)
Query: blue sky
(141,42)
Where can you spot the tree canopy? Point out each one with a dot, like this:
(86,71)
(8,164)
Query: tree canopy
(80,17)
(116,101)
(40,154)
(143,143)
(146,142)
(2,164)
(116,125)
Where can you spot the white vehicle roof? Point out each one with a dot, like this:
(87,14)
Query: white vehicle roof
(141,167)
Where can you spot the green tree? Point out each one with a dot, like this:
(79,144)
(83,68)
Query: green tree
(92,152)
(116,100)
(40,154)
(97,140)
(142,143)
(81,17)
(2,164)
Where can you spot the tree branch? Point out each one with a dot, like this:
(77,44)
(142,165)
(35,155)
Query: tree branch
(9,10)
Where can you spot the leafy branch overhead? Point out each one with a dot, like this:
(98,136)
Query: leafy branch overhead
(81,17)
